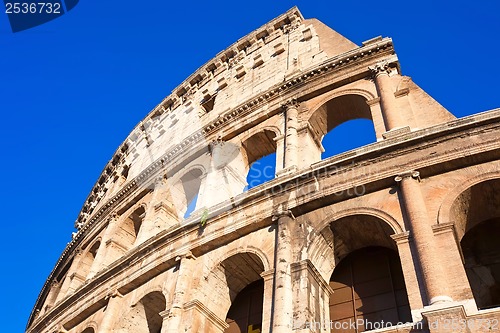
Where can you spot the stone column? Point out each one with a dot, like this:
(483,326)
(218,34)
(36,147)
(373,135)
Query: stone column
(449,249)
(55,287)
(423,237)
(65,287)
(282,317)
(291,136)
(160,213)
(385,90)
(172,321)
(110,313)
(408,263)
(100,257)
(267,303)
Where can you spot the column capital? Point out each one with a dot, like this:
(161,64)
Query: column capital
(113,294)
(276,216)
(380,68)
(187,255)
(401,238)
(407,174)
(291,103)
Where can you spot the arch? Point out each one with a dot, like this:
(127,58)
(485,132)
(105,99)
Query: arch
(321,250)
(378,213)
(190,184)
(129,228)
(368,95)
(341,108)
(229,277)
(144,316)
(85,264)
(90,327)
(254,130)
(444,213)
(474,210)
(258,161)
(250,249)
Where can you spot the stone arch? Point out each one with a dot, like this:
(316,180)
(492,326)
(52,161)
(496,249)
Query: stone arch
(339,108)
(144,315)
(230,276)
(90,327)
(250,249)
(320,250)
(88,256)
(445,213)
(475,213)
(254,150)
(129,228)
(355,252)
(185,186)
(368,95)
(141,293)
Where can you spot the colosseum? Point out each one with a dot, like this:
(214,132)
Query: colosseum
(400,235)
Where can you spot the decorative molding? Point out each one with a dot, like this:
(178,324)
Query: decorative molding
(407,174)
(380,68)
(307,265)
(203,310)
(401,238)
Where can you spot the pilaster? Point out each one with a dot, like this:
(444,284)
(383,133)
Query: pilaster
(172,322)
(111,312)
(282,317)
(291,111)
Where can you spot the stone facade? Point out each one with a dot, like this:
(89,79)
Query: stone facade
(401,230)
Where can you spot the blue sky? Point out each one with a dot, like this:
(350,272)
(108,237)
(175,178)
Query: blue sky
(72,89)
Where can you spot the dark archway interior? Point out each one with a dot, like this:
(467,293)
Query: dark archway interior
(354,232)
(476,214)
(245,314)
(368,286)
(481,250)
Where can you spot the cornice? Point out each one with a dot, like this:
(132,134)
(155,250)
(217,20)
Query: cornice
(215,126)
(422,139)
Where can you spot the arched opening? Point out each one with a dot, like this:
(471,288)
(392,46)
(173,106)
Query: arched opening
(245,313)
(88,259)
(368,287)
(191,183)
(129,229)
(476,212)
(260,153)
(349,135)
(367,282)
(240,290)
(144,317)
(88,330)
(345,122)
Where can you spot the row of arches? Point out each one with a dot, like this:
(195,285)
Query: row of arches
(366,273)
(341,124)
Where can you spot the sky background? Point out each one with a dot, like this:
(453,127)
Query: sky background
(72,89)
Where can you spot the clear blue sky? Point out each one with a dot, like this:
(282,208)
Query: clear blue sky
(72,89)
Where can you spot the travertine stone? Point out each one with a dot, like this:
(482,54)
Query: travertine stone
(137,264)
